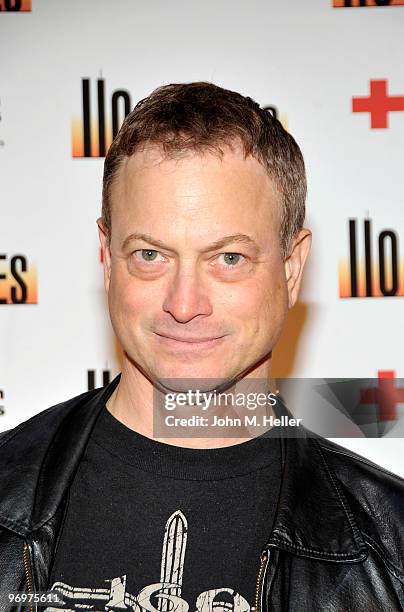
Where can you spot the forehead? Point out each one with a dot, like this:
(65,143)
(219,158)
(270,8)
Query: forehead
(200,186)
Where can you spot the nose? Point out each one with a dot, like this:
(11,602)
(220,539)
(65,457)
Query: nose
(187,296)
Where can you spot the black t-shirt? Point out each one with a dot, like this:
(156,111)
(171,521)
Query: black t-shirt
(142,513)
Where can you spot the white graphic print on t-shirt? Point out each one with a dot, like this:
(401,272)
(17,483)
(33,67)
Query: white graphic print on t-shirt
(166,593)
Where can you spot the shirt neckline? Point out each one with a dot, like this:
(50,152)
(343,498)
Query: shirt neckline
(141,452)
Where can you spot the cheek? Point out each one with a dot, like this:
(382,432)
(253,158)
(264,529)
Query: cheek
(257,301)
(266,305)
(128,299)
(277,309)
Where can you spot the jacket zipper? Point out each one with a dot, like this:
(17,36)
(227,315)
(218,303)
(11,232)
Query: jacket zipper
(28,571)
(264,558)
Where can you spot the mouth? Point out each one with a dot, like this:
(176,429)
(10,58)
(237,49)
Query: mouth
(189,343)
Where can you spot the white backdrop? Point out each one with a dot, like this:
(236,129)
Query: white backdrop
(309,60)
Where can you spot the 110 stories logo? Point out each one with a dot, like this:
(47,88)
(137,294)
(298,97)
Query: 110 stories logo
(18,280)
(93,133)
(15,6)
(366,275)
(364,3)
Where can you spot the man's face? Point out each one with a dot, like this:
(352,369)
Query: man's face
(196,283)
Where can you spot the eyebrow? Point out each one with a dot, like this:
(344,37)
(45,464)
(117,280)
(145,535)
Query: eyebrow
(218,244)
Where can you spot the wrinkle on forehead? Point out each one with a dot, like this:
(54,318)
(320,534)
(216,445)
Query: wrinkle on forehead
(213,184)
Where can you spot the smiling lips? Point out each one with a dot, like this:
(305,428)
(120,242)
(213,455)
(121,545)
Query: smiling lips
(189,342)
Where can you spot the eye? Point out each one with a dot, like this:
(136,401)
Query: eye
(231,259)
(146,255)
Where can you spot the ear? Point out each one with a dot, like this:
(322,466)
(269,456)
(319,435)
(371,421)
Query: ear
(106,252)
(295,262)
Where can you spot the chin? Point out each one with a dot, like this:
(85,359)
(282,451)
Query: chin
(178,378)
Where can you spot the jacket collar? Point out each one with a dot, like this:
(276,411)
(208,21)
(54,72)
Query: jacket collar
(39,459)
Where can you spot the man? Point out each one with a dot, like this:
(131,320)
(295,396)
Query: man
(204,249)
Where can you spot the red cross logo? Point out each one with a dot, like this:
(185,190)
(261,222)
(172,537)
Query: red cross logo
(378,104)
(386,395)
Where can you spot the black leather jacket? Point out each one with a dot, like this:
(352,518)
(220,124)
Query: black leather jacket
(336,544)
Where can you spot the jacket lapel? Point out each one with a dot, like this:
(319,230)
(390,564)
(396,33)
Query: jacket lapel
(313,518)
(39,458)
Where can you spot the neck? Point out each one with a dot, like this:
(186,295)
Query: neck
(133,404)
